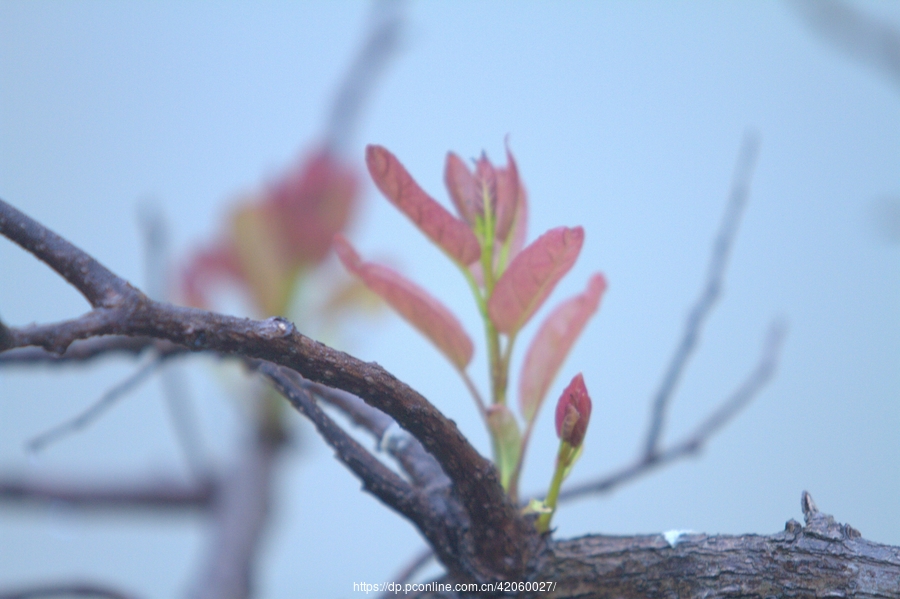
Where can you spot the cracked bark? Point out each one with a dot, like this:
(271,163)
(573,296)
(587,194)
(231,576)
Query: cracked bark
(821,559)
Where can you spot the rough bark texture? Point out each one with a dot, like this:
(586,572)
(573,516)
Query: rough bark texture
(822,559)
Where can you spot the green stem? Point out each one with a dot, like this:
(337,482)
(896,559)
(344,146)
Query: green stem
(473,390)
(563,459)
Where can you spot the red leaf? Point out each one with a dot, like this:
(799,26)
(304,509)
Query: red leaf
(551,345)
(462,187)
(413,303)
(507,195)
(531,276)
(448,232)
(573,412)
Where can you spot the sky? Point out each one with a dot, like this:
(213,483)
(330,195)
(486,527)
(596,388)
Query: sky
(625,118)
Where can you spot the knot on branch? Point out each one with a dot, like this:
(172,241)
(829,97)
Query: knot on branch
(820,525)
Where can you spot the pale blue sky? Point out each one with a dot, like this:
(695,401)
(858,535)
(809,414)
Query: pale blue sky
(625,117)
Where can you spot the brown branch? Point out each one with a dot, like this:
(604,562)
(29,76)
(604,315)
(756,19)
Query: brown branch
(821,559)
(697,439)
(419,465)
(95,410)
(435,511)
(710,293)
(503,542)
(153,495)
(377,478)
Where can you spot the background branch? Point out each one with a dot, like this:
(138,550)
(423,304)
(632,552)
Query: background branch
(148,494)
(75,589)
(697,439)
(712,288)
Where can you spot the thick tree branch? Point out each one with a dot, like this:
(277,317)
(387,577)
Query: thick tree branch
(503,542)
(821,559)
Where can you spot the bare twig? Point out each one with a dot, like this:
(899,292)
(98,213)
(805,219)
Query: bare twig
(419,561)
(76,589)
(694,442)
(384,32)
(239,514)
(178,402)
(95,410)
(710,293)
(419,465)
(85,350)
(862,36)
(377,478)
(4,334)
(154,495)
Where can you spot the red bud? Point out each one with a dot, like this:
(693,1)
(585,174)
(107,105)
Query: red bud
(573,412)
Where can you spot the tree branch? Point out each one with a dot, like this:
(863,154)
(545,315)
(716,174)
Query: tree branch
(862,36)
(153,495)
(504,543)
(419,465)
(76,589)
(696,440)
(711,290)
(821,559)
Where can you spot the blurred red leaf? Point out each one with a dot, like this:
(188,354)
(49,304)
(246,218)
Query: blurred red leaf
(463,188)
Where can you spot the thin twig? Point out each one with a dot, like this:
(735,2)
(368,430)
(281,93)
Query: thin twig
(152,224)
(419,561)
(711,290)
(183,419)
(694,442)
(421,467)
(376,477)
(384,32)
(864,37)
(85,350)
(95,410)
(154,495)
(77,589)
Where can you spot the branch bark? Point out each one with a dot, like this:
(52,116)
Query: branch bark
(499,543)
(821,559)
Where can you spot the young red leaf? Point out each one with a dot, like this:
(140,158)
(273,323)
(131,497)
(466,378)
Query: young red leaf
(413,303)
(462,187)
(507,440)
(531,276)
(573,412)
(445,230)
(507,195)
(551,345)
(520,224)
